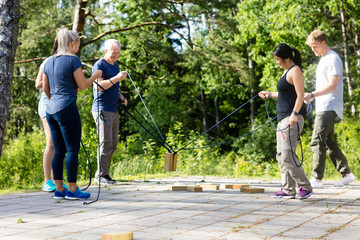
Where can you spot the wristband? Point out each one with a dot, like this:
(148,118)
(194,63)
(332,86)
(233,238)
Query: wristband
(312,95)
(295,113)
(269,95)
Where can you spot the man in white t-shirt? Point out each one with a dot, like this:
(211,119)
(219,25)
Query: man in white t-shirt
(329,110)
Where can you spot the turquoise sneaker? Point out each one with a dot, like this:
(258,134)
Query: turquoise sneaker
(77,195)
(49,186)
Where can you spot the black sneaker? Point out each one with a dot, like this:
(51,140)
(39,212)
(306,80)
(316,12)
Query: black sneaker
(105,180)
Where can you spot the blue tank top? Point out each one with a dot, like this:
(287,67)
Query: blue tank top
(63,87)
(286,98)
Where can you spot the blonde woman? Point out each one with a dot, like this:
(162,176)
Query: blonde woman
(63,76)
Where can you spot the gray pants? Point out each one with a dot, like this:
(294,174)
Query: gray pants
(107,126)
(322,142)
(292,176)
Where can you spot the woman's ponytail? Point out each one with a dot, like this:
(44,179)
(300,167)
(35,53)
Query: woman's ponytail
(297,57)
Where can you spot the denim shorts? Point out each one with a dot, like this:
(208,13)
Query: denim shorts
(43,102)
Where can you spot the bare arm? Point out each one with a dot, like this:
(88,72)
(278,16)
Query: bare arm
(82,82)
(267,94)
(39,82)
(297,78)
(45,85)
(331,87)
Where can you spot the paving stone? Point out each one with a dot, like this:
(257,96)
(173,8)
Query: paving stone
(194,188)
(151,212)
(210,187)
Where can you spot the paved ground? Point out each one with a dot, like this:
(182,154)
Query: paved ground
(151,212)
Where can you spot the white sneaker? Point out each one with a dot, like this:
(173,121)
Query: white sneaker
(316,184)
(345,180)
(106,180)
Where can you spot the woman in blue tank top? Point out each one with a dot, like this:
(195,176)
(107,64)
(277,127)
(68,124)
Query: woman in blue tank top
(290,114)
(62,78)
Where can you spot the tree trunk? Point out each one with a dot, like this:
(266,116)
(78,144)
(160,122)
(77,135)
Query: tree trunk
(217,116)
(9,26)
(357,50)
(346,59)
(204,110)
(79,20)
(252,77)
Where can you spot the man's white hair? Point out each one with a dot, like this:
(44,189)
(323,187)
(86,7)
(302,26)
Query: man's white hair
(111,42)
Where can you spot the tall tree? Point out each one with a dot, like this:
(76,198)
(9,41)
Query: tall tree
(9,20)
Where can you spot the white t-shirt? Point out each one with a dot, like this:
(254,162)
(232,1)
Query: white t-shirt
(330,65)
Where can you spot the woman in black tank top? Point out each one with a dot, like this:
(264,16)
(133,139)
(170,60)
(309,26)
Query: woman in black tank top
(290,87)
(290,116)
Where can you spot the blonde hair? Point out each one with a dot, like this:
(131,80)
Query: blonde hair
(111,42)
(64,38)
(316,35)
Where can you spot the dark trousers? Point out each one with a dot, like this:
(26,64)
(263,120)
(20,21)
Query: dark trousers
(323,143)
(65,127)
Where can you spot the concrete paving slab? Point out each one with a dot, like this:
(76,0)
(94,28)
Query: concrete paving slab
(152,212)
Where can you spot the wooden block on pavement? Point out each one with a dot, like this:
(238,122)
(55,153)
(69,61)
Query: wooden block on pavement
(229,186)
(239,186)
(170,161)
(207,187)
(117,236)
(253,190)
(177,188)
(194,188)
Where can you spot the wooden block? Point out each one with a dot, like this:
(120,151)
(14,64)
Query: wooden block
(239,186)
(210,187)
(253,190)
(117,236)
(194,188)
(170,161)
(177,188)
(229,186)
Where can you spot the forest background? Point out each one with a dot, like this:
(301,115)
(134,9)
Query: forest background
(194,62)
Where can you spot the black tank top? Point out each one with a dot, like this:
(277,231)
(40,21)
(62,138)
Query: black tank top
(286,98)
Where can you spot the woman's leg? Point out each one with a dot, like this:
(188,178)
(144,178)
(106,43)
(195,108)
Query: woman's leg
(60,151)
(49,151)
(70,125)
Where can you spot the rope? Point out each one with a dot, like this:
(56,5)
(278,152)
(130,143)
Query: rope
(87,157)
(125,109)
(98,152)
(232,139)
(217,124)
(276,129)
(298,137)
(145,106)
(159,134)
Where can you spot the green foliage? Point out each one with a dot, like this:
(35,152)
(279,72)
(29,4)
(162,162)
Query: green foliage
(191,62)
(21,161)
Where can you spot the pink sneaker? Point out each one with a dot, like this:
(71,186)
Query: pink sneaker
(303,194)
(282,194)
